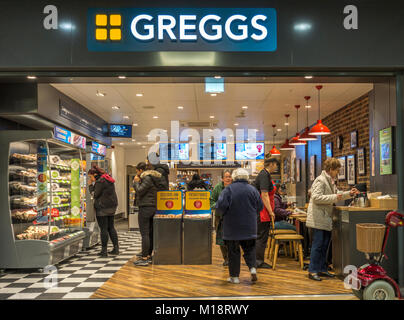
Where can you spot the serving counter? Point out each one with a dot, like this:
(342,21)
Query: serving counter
(344,250)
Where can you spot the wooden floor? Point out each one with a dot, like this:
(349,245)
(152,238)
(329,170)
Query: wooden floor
(288,281)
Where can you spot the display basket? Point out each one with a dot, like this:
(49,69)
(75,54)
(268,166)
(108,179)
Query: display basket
(369,237)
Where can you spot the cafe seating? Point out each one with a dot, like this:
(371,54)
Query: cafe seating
(294,240)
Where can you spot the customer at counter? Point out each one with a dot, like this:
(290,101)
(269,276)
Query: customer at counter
(214,197)
(240,204)
(266,188)
(281,209)
(324,194)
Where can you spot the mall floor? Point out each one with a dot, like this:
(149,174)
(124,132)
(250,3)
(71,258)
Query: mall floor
(88,276)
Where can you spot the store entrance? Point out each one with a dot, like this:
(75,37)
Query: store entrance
(201,126)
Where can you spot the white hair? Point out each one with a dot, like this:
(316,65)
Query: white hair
(240,174)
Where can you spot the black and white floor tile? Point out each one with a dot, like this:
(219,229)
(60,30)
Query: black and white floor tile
(77,278)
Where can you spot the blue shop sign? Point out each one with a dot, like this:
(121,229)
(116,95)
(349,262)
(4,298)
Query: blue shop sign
(182,29)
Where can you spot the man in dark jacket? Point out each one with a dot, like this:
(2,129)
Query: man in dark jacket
(105,203)
(240,203)
(281,210)
(145,185)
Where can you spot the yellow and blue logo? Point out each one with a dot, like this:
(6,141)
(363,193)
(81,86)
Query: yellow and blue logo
(182,29)
(108,27)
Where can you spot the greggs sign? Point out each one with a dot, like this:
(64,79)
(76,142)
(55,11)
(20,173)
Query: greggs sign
(187,29)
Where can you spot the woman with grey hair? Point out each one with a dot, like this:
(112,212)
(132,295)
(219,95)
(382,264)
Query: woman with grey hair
(214,196)
(240,203)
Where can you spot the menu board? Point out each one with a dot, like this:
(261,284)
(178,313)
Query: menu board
(386,151)
(120,130)
(69,137)
(98,148)
(205,151)
(220,151)
(250,151)
(174,151)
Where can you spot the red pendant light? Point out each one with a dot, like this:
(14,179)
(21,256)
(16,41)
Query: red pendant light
(305,136)
(274,151)
(319,129)
(286,145)
(295,141)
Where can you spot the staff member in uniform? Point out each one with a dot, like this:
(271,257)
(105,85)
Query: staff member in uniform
(265,187)
(324,194)
(214,196)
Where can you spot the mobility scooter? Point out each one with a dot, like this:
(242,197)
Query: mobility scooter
(374,283)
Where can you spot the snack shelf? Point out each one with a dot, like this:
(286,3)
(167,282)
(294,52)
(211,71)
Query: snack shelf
(31,234)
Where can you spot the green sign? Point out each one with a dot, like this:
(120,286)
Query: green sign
(75,188)
(386,151)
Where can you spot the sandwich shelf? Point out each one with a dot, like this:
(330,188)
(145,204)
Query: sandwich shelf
(39,223)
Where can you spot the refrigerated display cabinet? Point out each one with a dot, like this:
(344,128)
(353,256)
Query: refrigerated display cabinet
(41,209)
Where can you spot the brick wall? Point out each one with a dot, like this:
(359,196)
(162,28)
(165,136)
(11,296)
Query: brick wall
(354,116)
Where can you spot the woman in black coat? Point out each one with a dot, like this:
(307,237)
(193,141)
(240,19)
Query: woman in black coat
(102,186)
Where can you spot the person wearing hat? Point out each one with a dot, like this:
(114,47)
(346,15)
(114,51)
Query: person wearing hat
(240,204)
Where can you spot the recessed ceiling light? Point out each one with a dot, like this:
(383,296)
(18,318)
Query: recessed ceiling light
(279,129)
(122,77)
(121,143)
(155,117)
(31,77)
(213,94)
(212,117)
(218,77)
(244,107)
(139,94)
(126,117)
(236,124)
(180,107)
(135,124)
(115,107)
(100,94)
(308,107)
(133,140)
(286,123)
(308,77)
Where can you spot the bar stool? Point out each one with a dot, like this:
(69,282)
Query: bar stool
(272,233)
(295,241)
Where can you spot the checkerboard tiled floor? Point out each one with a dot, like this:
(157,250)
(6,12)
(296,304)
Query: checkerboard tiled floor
(77,278)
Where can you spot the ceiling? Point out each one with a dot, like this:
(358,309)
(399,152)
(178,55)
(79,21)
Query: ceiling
(267,105)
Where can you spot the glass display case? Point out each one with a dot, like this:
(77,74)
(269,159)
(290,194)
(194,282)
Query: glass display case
(42,207)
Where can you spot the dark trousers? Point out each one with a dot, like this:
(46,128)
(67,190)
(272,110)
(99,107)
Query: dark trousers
(319,246)
(145,219)
(106,224)
(233,247)
(262,240)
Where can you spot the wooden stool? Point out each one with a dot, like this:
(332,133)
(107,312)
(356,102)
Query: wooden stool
(272,233)
(295,238)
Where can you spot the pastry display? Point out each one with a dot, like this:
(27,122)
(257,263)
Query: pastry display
(24,214)
(24,201)
(19,187)
(33,232)
(26,157)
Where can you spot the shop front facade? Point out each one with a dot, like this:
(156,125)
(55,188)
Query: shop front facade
(79,42)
